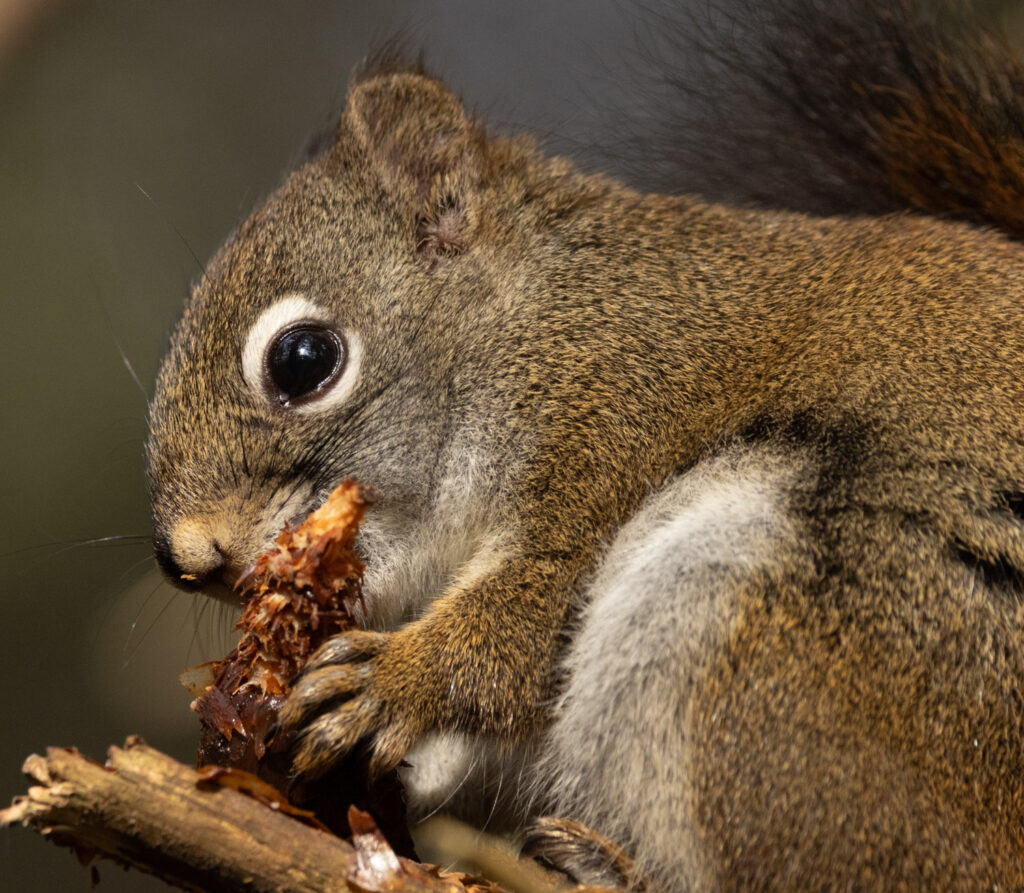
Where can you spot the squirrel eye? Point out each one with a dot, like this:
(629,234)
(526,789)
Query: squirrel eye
(303,360)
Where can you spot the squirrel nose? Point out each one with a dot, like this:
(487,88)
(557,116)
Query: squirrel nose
(191,557)
(174,572)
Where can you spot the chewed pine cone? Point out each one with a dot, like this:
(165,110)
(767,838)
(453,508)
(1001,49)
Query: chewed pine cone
(302,591)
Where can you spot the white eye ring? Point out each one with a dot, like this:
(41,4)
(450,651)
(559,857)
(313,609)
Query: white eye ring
(289,310)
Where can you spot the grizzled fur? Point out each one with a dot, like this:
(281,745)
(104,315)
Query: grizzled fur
(706,523)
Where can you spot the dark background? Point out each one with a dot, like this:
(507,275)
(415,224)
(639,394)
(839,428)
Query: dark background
(133,138)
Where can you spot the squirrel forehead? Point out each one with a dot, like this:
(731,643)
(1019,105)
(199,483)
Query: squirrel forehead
(337,256)
(308,225)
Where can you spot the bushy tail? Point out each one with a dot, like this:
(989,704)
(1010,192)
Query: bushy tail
(840,107)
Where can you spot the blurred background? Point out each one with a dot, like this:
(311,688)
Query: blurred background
(133,138)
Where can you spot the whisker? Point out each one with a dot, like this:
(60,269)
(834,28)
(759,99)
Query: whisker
(62,546)
(177,232)
(124,356)
(519,781)
(196,611)
(115,540)
(458,787)
(136,565)
(221,623)
(496,797)
(128,658)
(131,370)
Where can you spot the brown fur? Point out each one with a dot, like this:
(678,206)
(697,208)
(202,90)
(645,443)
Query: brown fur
(862,725)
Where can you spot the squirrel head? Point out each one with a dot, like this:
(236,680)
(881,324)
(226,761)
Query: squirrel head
(335,333)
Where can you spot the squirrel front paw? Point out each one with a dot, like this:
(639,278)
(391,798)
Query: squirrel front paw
(346,696)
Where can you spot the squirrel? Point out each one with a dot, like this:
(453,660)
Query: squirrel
(700,524)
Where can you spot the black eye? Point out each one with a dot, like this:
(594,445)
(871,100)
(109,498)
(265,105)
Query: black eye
(303,360)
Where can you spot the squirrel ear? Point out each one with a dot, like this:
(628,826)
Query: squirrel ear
(427,151)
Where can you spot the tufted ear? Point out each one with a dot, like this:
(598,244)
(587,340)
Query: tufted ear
(426,150)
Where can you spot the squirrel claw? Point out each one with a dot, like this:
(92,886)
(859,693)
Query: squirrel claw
(355,645)
(321,689)
(337,703)
(389,749)
(330,736)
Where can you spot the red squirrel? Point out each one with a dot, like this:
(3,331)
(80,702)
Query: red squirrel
(700,525)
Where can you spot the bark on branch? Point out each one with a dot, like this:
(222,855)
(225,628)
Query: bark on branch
(148,811)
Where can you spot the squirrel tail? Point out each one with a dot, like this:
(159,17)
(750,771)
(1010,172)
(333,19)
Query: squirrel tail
(836,106)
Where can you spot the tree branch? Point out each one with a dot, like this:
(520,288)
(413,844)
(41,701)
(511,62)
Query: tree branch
(148,811)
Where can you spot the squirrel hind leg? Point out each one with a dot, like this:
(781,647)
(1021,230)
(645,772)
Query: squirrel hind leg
(582,854)
(620,753)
